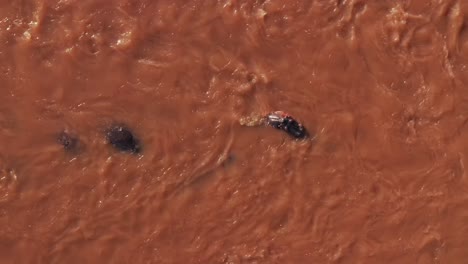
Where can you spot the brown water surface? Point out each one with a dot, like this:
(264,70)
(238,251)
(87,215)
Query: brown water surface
(380,85)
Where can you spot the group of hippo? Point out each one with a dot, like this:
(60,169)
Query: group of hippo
(118,136)
(122,139)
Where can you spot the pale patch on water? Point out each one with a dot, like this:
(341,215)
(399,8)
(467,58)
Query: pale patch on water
(253,120)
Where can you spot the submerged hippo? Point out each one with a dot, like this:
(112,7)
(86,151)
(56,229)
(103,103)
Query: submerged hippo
(122,139)
(68,140)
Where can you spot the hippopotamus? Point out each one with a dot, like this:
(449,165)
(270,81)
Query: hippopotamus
(121,138)
(68,140)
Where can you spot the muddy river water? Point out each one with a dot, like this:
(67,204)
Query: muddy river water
(381,87)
